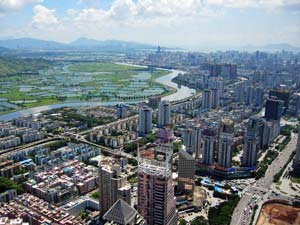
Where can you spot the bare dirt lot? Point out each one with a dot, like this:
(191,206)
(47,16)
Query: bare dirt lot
(279,214)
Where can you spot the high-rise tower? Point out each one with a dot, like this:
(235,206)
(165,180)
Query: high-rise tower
(225,143)
(186,172)
(251,142)
(209,146)
(164,113)
(113,184)
(192,140)
(156,202)
(206,100)
(145,121)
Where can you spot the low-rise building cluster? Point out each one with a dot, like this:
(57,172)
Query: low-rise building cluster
(12,136)
(59,184)
(9,168)
(34,210)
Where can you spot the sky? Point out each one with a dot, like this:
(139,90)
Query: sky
(180,23)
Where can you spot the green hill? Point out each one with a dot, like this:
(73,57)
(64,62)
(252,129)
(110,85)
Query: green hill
(17,65)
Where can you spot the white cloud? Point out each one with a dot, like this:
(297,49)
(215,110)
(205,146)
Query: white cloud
(262,4)
(43,17)
(89,3)
(13,5)
(159,21)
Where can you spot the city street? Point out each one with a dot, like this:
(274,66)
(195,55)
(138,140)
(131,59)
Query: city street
(261,188)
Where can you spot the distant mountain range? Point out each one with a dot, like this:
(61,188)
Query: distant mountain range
(80,44)
(271,47)
(115,45)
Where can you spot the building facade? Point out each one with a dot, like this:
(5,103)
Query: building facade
(274,108)
(225,143)
(113,184)
(186,172)
(209,137)
(251,143)
(164,113)
(206,100)
(145,121)
(156,202)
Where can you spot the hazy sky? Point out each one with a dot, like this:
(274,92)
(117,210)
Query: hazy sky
(186,23)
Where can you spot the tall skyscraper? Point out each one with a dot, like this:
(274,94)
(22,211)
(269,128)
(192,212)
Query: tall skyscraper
(215,82)
(113,184)
(121,111)
(225,143)
(192,140)
(296,163)
(282,95)
(186,172)
(156,202)
(225,70)
(206,100)
(233,71)
(145,121)
(250,93)
(251,143)
(259,96)
(294,104)
(274,108)
(240,93)
(209,145)
(215,98)
(187,139)
(164,113)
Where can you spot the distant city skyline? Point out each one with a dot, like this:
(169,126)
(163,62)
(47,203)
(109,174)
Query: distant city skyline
(174,23)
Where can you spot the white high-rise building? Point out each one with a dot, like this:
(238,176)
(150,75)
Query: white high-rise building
(164,113)
(145,121)
(192,138)
(187,140)
(225,143)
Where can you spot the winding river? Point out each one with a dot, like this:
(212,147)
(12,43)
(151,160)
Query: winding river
(181,93)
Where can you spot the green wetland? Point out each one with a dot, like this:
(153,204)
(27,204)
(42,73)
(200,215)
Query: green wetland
(73,82)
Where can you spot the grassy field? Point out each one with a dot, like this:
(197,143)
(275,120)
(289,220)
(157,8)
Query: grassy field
(102,67)
(117,77)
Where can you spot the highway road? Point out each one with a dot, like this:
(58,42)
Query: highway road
(108,150)
(262,187)
(30,145)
